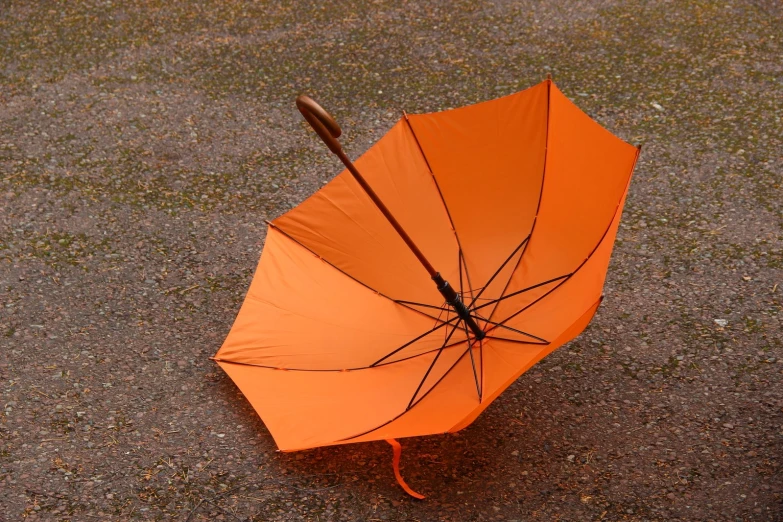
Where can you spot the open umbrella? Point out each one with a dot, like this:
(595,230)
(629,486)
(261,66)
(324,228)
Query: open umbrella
(411,290)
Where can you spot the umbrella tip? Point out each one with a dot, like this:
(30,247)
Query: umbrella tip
(549,77)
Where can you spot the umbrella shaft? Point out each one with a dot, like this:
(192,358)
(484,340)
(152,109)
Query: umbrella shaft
(386,213)
(448,293)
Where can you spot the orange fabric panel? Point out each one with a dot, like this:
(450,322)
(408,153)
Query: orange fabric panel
(494,288)
(488,160)
(442,365)
(502,362)
(300,312)
(587,172)
(341,223)
(554,313)
(520,361)
(453,399)
(520,301)
(309,409)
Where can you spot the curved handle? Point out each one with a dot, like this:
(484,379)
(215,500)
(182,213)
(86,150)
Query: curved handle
(320,120)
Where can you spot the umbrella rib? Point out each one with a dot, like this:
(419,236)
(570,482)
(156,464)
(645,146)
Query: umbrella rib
(441,378)
(524,242)
(358,368)
(540,195)
(519,261)
(441,325)
(512,329)
(440,314)
(414,303)
(517,341)
(473,363)
(502,323)
(432,364)
(529,288)
(434,179)
(567,277)
(286,234)
(440,309)
(413,405)
(459,267)
(467,276)
(448,316)
(481,365)
(456,343)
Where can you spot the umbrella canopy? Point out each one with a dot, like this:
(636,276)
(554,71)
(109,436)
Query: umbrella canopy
(343,338)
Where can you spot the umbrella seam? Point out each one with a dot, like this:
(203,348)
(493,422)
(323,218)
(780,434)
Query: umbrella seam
(540,194)
(432,364)
(437,186)
(412,406)
(499,356)
(286,234)
(334,370)
(600,241)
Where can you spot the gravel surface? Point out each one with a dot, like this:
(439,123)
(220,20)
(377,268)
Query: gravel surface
(144,143)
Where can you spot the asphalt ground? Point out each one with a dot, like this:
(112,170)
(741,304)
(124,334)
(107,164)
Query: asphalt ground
(144,143)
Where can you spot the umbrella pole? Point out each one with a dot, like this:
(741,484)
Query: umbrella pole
(328,130)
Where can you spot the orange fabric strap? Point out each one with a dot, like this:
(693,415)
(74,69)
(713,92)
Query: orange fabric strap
(396,463)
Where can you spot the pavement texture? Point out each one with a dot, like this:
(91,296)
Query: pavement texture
(144,143)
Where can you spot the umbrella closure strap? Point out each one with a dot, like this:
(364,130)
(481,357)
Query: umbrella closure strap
(452,297)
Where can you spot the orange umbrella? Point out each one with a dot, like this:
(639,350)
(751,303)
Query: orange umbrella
(349,333)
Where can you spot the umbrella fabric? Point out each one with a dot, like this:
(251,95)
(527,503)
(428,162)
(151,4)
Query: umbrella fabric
(343,337)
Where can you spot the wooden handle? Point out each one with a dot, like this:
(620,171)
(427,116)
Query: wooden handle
(320,120)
